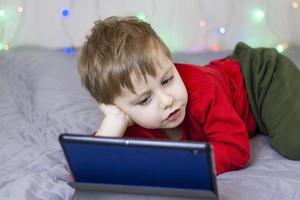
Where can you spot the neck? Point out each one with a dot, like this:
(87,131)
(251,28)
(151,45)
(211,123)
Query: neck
(174,133)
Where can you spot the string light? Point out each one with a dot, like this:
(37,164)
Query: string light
(69,50)
(295,5)
(65,12)
(20,9)
(142,17)
(6,15)
(2,13)
(222,30)
(215,48)
(280,48)
(258,15)
(285,45)
(202,23)
(6,47)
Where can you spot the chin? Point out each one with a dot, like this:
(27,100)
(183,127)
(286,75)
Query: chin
(148,126)
(179,122)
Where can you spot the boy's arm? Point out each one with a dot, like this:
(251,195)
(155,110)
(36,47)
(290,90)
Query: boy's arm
(223,128)
(111,127)
(114,123)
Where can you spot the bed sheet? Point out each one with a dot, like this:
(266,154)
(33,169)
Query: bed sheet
(41,97)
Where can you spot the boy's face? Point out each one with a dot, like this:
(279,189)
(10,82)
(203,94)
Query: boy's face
(158,103)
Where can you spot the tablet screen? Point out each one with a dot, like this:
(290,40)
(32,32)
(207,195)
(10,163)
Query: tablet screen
(139,166)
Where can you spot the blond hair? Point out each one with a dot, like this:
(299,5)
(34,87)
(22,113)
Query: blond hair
(116,47)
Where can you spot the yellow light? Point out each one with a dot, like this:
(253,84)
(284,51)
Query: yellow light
(6,47)
(295,5)
(285,45)
(20,9)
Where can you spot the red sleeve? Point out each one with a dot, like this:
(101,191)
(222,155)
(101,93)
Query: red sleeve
(222,126)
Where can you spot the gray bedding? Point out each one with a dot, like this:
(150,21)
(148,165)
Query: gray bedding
(41,97)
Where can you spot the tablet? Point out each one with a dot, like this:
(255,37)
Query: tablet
(159,167)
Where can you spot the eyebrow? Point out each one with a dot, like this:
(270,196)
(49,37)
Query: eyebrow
(148,91)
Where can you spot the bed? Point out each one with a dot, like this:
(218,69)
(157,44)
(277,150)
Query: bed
(41,97)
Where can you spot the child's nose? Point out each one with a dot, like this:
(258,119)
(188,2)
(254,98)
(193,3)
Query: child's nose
(166,100)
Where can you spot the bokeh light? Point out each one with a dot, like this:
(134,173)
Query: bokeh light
(65,12)
(142,17)
(295,5)
(202,23)
(6,47)
(20,9)
(69,50)
(258,15)
(222,30)
(280,48)
(2,13)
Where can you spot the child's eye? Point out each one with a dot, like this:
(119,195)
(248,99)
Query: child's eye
(166,81)
(144,101)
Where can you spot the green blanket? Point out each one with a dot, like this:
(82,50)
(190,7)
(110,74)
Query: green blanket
(273,85)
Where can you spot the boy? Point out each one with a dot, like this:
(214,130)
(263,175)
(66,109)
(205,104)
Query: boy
(128,71)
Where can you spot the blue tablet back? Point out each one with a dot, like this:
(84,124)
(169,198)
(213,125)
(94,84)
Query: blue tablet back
(150,163)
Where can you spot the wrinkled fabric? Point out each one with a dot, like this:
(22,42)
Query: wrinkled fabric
(41,97)
(273,85)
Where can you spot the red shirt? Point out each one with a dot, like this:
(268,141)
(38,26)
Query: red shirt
(217,112)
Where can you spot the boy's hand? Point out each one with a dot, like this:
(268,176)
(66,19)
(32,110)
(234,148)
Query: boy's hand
(115,121)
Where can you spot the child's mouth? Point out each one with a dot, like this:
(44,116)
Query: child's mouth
(174,115)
